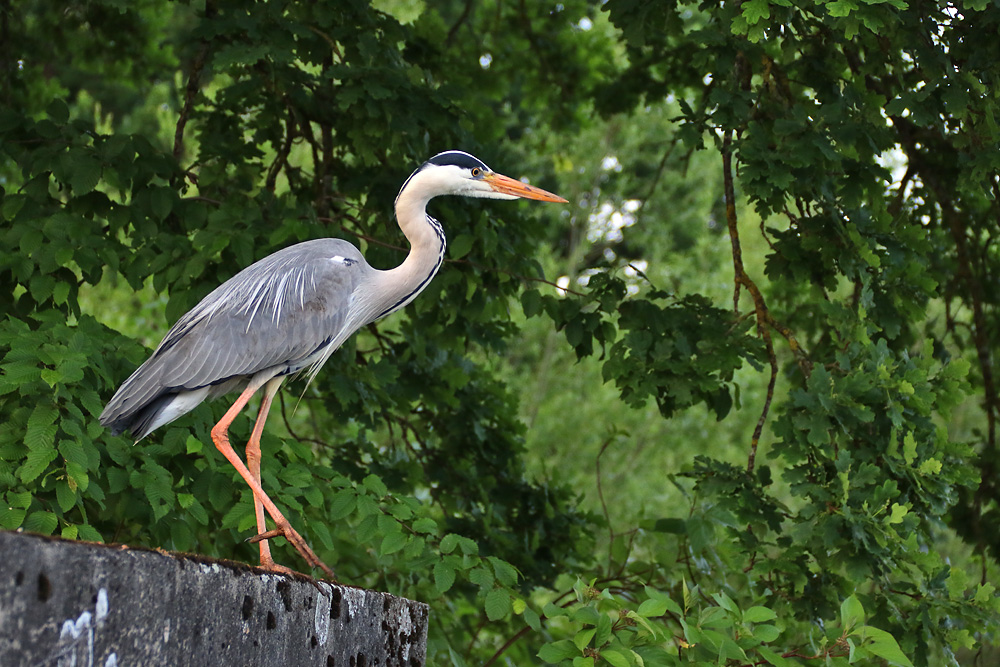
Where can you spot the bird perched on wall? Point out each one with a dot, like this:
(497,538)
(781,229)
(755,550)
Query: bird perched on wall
(285,315)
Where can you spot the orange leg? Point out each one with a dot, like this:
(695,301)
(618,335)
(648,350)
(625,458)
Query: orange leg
(253,463)
(220,436)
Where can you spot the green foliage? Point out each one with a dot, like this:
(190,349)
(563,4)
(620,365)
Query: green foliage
(671,354)
(814,186)
(611,630)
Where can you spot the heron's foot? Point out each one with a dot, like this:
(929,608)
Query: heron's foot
(285,530)
(269,565)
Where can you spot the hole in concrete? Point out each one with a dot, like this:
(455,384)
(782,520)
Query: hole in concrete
(335,604)
(313,642)
(285,591)
(330,662)
(247,607)
(272,622)
(415,663)
(19,578)
(308,603)
(385,604)
(362,662)
(44,587)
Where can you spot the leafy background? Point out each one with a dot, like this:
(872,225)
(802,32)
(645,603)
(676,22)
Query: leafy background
(735,404)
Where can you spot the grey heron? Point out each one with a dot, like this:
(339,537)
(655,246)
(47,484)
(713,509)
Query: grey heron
(286,314)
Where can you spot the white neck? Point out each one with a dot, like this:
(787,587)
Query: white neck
(397,287)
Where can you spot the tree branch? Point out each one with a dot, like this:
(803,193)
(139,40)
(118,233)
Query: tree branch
(466,11)
(281,159)
(741,279)
(192,87)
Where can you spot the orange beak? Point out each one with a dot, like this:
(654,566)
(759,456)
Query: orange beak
(510,186)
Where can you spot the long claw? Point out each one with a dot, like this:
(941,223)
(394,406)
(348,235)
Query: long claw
(285,530)
(264,536)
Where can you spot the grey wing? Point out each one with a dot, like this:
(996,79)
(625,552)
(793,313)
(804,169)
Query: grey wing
(274,315)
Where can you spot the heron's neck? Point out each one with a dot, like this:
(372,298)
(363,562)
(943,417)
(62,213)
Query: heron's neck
(398,287)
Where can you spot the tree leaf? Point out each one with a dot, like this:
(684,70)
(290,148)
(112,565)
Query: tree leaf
(497,604)
(461,246)
(41,430)
(65,496)
(759,615)
(614,658)
(85,175)
(558,651)
(11,518)
(852,614)
(41,521)
(393,542)
(374,484)
(35,463)
(343,503)
(448,543)
(652,608)
(425,525)
(884,645)
(444,576)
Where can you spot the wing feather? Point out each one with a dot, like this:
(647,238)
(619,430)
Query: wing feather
(273,315)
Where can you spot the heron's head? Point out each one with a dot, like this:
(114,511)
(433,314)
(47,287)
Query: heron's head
(458,173)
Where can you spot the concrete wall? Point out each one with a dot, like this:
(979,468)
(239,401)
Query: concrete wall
(66,603)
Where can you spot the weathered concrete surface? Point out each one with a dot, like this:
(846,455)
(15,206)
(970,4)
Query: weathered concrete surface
(89,605)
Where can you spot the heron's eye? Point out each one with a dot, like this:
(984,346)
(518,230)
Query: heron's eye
(476,172)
